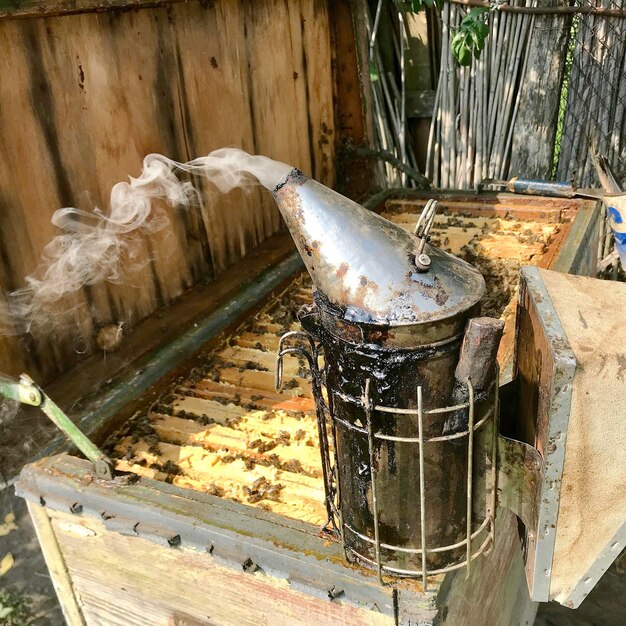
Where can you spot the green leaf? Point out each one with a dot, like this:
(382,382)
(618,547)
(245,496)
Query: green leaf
(464,56)
(5,611)
(461,48)
(477,41)
(471,35)
(482,29)
(457,42)
(373,72)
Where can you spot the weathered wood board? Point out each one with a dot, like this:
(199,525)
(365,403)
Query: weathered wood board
(535,127)
(89,95)
(157,553)
(139,582)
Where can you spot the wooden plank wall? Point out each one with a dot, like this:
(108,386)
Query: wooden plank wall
(83,98)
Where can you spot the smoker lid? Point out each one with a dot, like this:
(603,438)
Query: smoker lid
(365,265)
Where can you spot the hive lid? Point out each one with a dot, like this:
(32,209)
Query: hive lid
(365,264)
(570,368)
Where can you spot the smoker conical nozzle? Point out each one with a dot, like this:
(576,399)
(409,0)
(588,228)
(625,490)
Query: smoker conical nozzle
(366,265)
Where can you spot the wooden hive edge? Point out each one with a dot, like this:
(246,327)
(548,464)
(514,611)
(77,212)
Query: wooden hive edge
(235,534)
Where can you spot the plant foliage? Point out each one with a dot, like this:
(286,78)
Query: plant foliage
(471,36)
(14,609)
(470,39)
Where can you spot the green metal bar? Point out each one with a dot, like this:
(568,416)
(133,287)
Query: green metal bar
(27,392)
(72,432)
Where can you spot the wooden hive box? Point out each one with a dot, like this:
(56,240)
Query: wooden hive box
(184,536)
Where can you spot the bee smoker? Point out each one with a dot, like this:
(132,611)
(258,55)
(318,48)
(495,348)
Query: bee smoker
(408,383)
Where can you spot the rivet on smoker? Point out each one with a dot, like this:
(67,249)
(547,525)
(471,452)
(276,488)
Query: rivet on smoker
(422,262)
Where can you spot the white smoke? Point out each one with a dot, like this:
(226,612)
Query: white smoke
(101,245)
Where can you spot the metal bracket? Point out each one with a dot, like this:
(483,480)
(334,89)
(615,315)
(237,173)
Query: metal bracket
(28,392)
(520,468)
(422,231)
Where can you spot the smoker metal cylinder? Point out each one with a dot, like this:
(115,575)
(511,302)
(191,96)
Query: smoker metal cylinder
(373,400)
(390,312)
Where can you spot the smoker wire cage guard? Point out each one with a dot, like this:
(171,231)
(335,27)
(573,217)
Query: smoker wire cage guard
(479,529)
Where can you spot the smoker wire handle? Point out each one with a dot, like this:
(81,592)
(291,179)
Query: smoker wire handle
(425,222)
(321,408)
(282,351)
(422,232)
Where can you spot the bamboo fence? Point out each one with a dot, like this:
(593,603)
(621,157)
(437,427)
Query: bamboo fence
(475,106)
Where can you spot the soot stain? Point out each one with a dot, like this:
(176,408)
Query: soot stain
(7,265)
(81,75)
(43,107)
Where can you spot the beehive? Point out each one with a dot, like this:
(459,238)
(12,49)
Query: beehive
(238,498)
(223,429)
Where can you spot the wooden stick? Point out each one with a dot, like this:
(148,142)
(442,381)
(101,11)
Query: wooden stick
(509,141)
(415,175)
(618,132)
(478,351)
(444,111)
(521,62)
(476,364)
(430,156)
(455,17)
(470,160)
(485,117)
(555,10)
(471,129)
(463,115)
(496,103)
(511,79)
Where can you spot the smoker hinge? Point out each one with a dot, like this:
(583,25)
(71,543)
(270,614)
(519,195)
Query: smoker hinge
(519,479)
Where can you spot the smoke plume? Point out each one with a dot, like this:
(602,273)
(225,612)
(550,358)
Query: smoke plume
(100,245)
